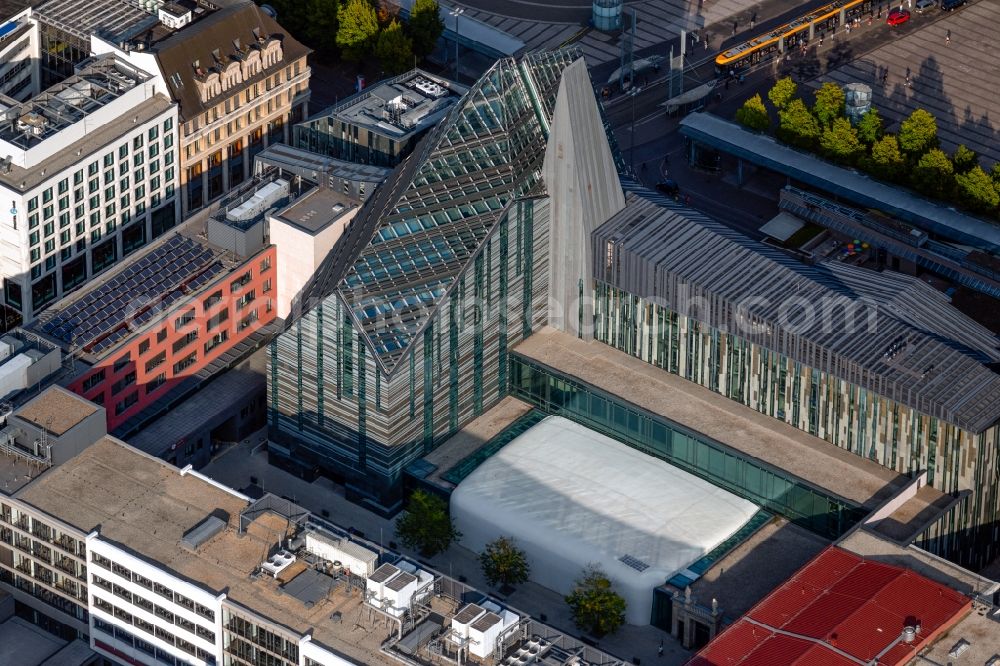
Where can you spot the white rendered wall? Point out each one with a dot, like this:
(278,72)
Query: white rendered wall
(97,546)
(300,253)
(571,497)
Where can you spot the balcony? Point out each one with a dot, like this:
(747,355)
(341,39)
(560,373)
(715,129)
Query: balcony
(67,565)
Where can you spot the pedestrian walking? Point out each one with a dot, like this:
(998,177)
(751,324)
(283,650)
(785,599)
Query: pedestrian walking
(909,4)
(753,20)
(736,25)
(947,39)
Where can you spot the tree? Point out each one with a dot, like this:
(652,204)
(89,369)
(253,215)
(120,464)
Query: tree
(918,133)
(976,190)
(965,159)
(934,174)
(840,142)
(425,525)
(596,608)
(870,127)
(394,49)
(425,26)
(995,175)
(829,103)
(504,563)
(753,114)
(797,126)
(886,161)
(782,92)
(320,22)
(357,30)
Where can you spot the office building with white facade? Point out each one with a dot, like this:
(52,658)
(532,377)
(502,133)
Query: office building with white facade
(154,565)
(88,175)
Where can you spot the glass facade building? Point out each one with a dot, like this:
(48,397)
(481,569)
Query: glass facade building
(408,339)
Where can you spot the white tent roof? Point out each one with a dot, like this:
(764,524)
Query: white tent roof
(571,497)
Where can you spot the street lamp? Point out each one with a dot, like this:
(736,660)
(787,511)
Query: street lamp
(631,144)
(456,12)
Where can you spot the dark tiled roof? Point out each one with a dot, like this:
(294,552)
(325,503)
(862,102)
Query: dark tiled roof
(177,53)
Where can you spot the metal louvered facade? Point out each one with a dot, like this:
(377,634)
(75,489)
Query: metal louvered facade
(908,383)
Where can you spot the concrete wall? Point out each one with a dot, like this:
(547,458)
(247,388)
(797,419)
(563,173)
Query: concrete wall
(300,253)
(577,165)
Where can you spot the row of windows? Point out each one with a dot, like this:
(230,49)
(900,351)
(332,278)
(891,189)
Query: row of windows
(158,588)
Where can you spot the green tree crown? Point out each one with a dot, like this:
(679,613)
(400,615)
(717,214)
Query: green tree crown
(753,114)
(870,127)
(425,26)
(504,563)
(840,142)
(425,525)
(394,49)
(595,606)
(829,103)
(886,161)
(797,126)
(964,159)
(918,133)
(782,92)
(977,191)
(934,174)
(358,29)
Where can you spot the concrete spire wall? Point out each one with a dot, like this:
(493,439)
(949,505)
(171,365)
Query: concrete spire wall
(584,190)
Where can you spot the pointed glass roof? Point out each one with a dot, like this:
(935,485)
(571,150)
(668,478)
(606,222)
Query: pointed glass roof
(429,219)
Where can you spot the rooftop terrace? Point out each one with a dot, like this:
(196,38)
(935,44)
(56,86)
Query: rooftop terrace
(811,459)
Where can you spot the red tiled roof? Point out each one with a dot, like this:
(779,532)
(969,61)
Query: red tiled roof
(841,609)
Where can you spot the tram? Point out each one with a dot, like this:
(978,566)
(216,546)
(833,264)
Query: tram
(825,18)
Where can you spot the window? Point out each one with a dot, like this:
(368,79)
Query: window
(240,282)
(218,319)
(121,362)
(185,341)
(265,265)
(168,124)
(247,321)
(214,298)
(154,132)
(93,380)
(123,405)
(123,383)
(156,382)
(123,151)
(144,346)
(156,361)
(246,299)
(161,335)
(137,142)
(216,340)
(186,318)
(186,362)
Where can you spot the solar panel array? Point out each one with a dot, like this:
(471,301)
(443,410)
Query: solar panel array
(148,286)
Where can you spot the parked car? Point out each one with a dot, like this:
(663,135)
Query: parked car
(949,5)
(670,188)
(923,5)
(898,17)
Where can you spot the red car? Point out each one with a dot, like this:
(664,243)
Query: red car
(898,17)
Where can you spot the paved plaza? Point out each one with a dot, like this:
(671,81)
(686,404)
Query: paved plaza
(957,80)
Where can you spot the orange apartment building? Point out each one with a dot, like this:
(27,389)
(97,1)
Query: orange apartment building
(166,319)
